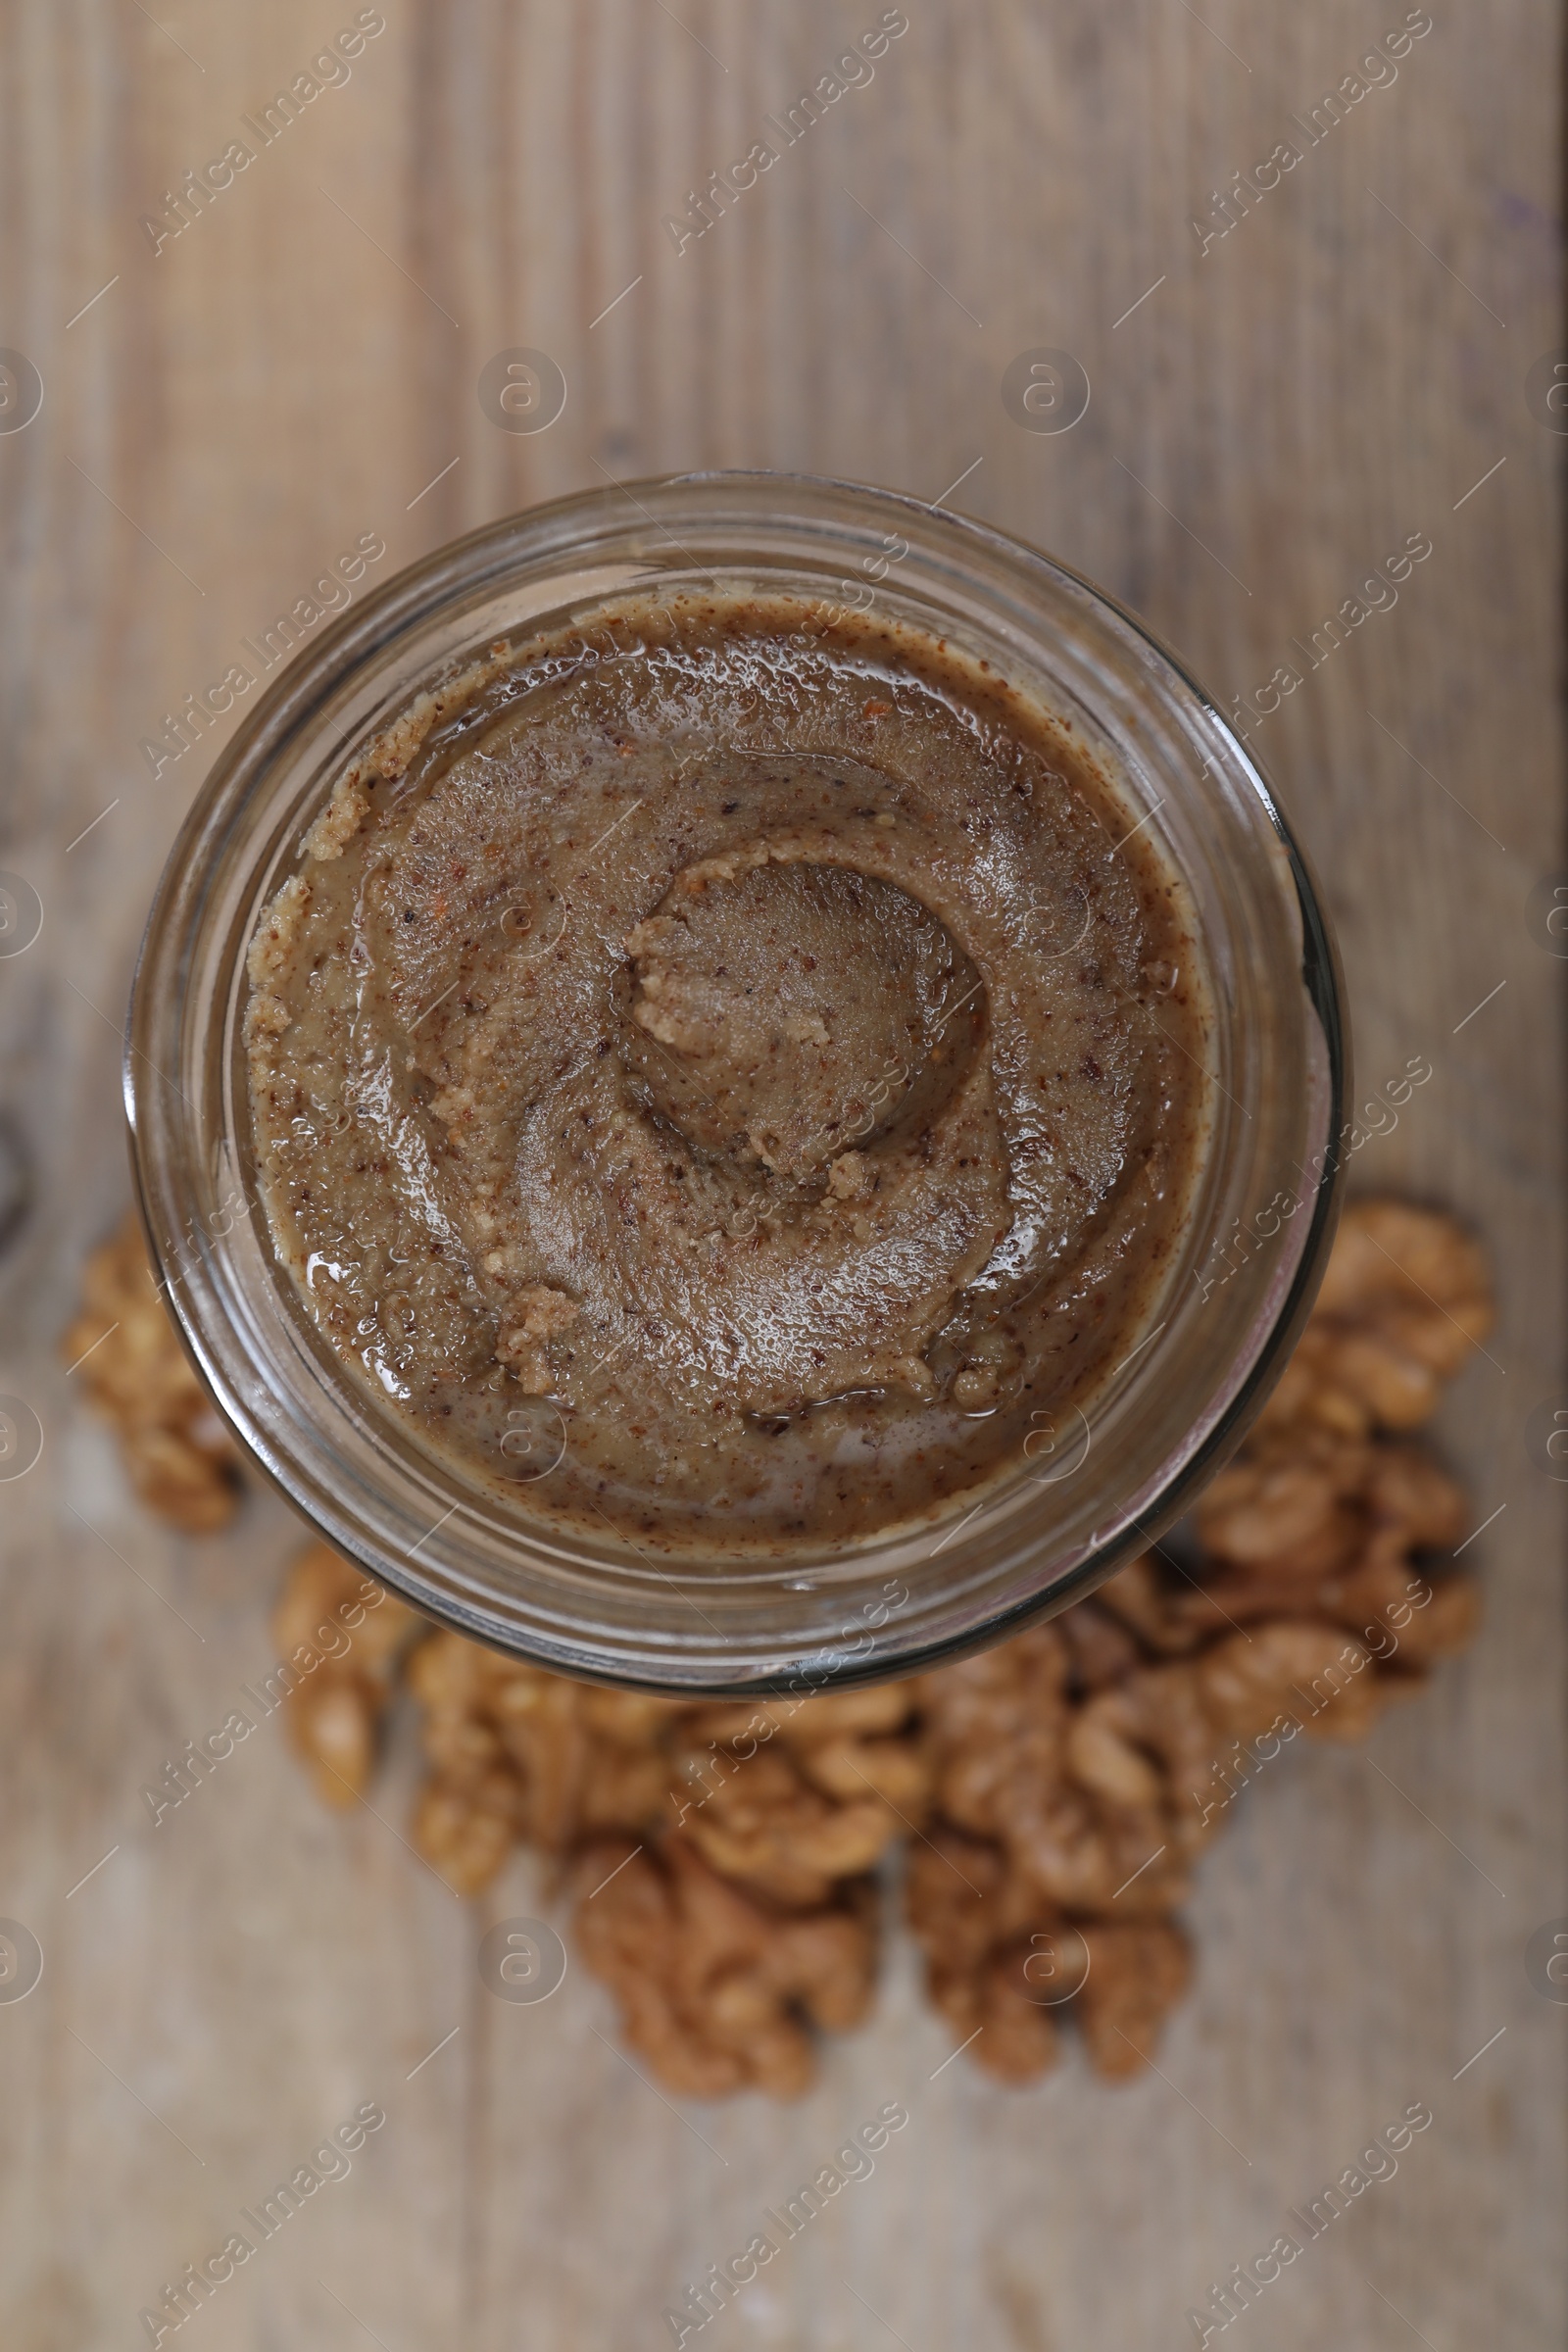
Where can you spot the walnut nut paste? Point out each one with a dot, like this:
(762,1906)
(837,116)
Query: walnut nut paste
(763,1052)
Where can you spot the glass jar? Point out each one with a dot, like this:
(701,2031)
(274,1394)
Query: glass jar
(1083,1499)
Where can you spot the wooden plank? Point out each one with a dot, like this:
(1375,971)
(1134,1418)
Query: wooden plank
(1277,414)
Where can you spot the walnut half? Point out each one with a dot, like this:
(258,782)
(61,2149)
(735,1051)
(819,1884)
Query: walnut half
(1008,1969)
(718,1988)
(341,1634)
(1404,1301)
(182,1459)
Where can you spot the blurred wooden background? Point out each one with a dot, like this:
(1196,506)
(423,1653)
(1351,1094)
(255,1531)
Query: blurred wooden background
(299,365)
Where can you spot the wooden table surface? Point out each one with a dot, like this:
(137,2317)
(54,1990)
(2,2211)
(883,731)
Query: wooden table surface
(1274,411)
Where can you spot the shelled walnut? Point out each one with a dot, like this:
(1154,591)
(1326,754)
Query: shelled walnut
(997,1730)
(520,1753)
(839,1777)
(1405,1299)
(717,1987)
(182,1459)
(342,1634)
(1008,1969)
(1301,1501)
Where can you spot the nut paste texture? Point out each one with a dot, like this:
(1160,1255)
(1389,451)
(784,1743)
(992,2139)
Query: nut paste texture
(751,1070)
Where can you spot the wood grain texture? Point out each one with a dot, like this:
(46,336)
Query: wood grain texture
(1277,415)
